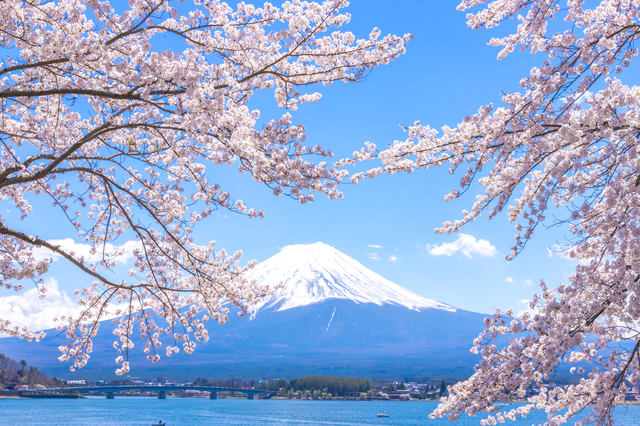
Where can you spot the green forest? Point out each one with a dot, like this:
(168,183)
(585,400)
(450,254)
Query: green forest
(13,373)
(337,386)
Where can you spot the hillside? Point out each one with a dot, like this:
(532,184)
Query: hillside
(13,373)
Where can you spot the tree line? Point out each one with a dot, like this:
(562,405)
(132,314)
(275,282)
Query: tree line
(337,386)
(13,373)
(223,383)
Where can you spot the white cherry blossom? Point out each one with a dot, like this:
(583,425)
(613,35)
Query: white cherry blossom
(120,134)
(567,141)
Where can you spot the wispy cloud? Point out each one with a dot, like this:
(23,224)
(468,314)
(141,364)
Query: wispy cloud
(465,244)
(374,256)
(509,279)
(562,252)
(375,246)
(80,249)
(528,283)
(393,258)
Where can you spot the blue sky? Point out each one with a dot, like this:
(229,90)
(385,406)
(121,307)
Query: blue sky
(448,72)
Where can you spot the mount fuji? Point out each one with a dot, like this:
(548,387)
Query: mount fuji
(314,273)
(331,316)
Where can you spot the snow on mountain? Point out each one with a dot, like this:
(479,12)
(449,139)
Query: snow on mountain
(311,273)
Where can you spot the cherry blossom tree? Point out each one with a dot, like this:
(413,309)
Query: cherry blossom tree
(118,132)
(566,146)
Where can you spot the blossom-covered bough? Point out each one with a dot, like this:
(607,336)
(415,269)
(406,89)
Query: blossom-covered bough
(568,142)
(117,131)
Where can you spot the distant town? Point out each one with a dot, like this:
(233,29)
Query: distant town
(18,380)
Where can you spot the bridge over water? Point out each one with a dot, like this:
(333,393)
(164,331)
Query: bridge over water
(110,391)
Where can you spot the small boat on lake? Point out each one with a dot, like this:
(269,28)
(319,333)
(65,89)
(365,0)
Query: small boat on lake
(382,414)
(160,423)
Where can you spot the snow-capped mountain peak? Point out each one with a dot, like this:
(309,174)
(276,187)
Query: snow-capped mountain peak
(312,273)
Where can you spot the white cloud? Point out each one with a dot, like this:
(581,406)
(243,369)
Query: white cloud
(393,258)
(375,246)
(465,244)
(26,309)
(528,283)
(80,249)
(509,280)
(374,256)
(581,100)
(526,308)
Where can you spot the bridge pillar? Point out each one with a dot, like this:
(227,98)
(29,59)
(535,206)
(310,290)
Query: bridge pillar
(110,395)
(162,395)
(250,396)
(213,395)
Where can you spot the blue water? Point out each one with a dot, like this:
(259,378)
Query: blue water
(196,411)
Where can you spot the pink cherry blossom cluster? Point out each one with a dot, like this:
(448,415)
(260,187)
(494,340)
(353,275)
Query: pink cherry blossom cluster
(569,142)
(120,135)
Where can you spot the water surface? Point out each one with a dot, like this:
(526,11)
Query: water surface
(124,411)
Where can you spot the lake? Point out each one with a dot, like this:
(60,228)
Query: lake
(124,410)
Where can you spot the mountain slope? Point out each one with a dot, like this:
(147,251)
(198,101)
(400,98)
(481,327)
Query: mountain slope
(332,316)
